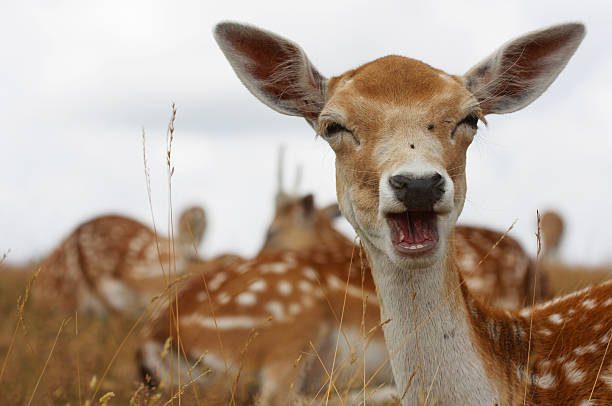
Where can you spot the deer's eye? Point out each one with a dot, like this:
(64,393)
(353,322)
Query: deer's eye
(471,120)
(334,128)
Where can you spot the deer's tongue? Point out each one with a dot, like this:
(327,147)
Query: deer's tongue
(413,230)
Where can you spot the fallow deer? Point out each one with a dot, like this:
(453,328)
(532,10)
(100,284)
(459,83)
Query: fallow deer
(552,233)
(400,130)
(116,264)
(303,267)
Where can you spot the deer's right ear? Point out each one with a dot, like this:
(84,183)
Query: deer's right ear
(274,69)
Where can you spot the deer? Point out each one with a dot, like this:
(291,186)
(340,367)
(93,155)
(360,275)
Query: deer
(114,264)
(563,278)
(400,130)
(552,233)
(313,266)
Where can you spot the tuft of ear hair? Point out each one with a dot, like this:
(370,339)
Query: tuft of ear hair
(522,69)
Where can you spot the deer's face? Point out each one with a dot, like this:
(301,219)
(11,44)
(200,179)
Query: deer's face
(400,130)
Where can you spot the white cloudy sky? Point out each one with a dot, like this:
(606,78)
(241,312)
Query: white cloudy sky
(80,79)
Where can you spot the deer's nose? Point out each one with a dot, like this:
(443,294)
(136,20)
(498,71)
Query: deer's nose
(417,193)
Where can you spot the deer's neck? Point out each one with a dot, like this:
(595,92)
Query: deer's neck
(430,342)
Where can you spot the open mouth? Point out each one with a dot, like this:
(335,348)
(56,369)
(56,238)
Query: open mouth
(413,233)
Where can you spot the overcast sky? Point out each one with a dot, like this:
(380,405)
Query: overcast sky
(80,79)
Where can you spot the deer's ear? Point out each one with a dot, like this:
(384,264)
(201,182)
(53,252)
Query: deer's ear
(522,69)
(274,69)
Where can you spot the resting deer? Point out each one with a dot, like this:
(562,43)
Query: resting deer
(400,130)
(303,264)
(552,233)
(116,264)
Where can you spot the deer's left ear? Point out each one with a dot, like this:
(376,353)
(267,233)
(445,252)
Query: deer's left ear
(522,69)
(274,69)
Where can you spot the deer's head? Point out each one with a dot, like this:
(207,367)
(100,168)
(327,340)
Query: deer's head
(399,127)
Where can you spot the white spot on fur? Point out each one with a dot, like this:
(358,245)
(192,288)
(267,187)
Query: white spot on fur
(201,297)
(246,299)
(608,302)
(597,326)
(525,312)
(310,273)
(294,308)
(224,323)
(555,318)
(258,286)
(284,288)
(573,374)
(216,281)
(546,381)
(607,379)
(276,309)
(117,294)
(545,332)
(305,286)
(223,298)
(589,304)
(586,349)
(274,267)
(475,284)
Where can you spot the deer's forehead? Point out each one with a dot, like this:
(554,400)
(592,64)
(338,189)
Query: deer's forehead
(399,81)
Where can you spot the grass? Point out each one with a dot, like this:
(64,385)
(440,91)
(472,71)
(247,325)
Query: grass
(52,362)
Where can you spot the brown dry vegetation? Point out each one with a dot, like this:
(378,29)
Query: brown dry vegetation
(78,356)
(78,359)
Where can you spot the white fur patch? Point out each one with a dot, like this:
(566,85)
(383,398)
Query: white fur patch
(546,381)
(573,374)
(216,281)
(284,288)
(585,349)
(117,294)
(201,297)
(589,304)
(224,323)
(276,309)
(555,318)
(274,267)
(294,308)
(223,298)
(305,286)
(258,286)
(310,273)
(246,299)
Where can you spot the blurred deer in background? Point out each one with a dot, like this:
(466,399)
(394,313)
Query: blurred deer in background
(563,277)
(292,294)
(552,234)
(113,264)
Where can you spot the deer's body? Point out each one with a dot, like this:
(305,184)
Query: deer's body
(116,264)
(400,130)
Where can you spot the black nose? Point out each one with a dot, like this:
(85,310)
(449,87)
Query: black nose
(418,194)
